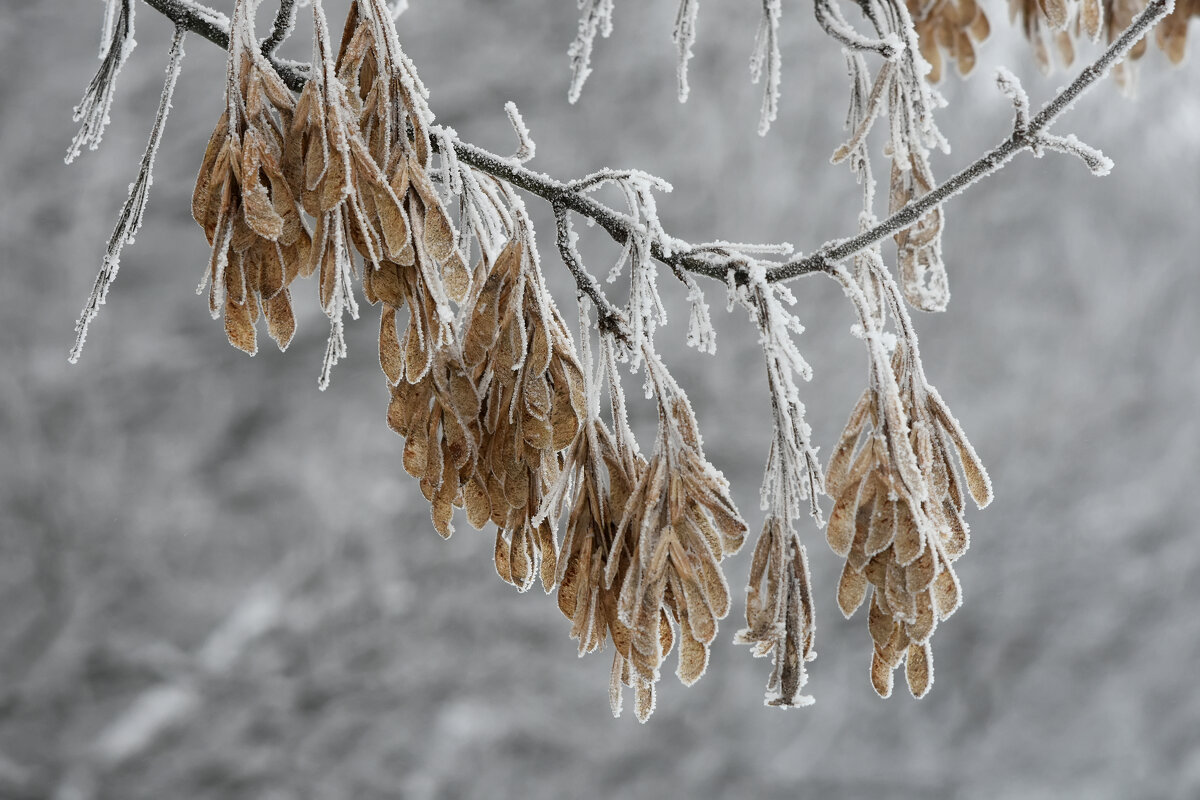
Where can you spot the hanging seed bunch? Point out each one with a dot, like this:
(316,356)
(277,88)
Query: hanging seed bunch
(677,525)
(779,611)
(902,92)
(391,98)
(435,404)
(524,362)
(897,518)
(348,193)
(952,27)
(243,200)
(598,476)
(780,620)
(391,105)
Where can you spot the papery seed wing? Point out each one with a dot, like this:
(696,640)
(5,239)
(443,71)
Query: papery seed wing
(208,172)
(978,482)
(919,669)
(852,590)
(879,622)
(947,594)
(840,530)
(909,542)
(881,675)
(693,658)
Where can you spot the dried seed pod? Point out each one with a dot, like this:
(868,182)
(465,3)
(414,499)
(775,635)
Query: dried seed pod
(532,386)
(243,201)
(919,671)
(852,590)
(954,26)
(919,247)
(946,593)
(779,611)
(678,508)
(900,534)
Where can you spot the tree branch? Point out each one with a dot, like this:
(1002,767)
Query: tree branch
(214,26)
(1022,138)
(285,21)
(717,264)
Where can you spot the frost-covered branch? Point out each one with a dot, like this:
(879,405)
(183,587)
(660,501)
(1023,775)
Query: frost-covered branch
(768,60)
(680,256)
(209,25)
(611,319)
(1031,138)
(830,18)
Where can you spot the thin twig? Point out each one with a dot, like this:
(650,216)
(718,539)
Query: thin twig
(132,213)
(610,319)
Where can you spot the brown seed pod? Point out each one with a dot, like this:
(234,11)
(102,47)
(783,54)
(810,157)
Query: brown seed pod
(521,355)
(243,202)
(953,27)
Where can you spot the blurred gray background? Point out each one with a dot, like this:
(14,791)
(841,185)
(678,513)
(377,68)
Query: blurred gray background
(217,582)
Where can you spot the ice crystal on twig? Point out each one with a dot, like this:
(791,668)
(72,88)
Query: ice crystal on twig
(526,148)
(281,29)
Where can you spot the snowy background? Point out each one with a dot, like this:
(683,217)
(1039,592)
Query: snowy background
(182,523)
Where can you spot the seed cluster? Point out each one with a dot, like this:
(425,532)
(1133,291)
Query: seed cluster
(487,389)
(898,520)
